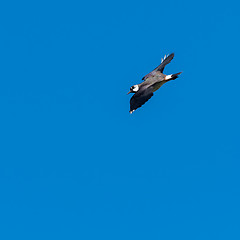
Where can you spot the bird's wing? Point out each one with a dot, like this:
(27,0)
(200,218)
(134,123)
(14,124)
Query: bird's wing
(140,98)
(160,68)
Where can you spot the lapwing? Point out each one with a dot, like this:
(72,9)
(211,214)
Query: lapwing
(152,82)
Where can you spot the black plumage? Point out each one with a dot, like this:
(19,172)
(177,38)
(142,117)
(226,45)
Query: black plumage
(140,98)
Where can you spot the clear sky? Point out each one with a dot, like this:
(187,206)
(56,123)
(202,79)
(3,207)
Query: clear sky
(74,164)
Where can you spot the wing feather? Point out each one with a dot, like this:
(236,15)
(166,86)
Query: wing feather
(140,98)
(166,60)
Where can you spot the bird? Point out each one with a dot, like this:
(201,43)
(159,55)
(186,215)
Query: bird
(151,83)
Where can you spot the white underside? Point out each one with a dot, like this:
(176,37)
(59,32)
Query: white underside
(168,77)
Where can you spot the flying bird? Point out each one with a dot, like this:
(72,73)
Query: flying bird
(152,82)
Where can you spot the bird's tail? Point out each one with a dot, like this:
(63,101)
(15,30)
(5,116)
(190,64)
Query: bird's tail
(172,76)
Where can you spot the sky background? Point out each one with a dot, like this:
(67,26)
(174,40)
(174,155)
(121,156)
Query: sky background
(74,164)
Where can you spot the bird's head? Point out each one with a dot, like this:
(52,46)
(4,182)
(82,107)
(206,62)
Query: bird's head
(133,89)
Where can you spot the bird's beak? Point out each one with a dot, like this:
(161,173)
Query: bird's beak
(129,92)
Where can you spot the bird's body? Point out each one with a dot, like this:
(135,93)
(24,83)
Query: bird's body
(152,82)
(156,81)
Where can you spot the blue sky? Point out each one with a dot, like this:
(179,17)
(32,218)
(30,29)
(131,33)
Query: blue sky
(75,164)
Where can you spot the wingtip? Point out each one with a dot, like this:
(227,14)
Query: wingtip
(168,55)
